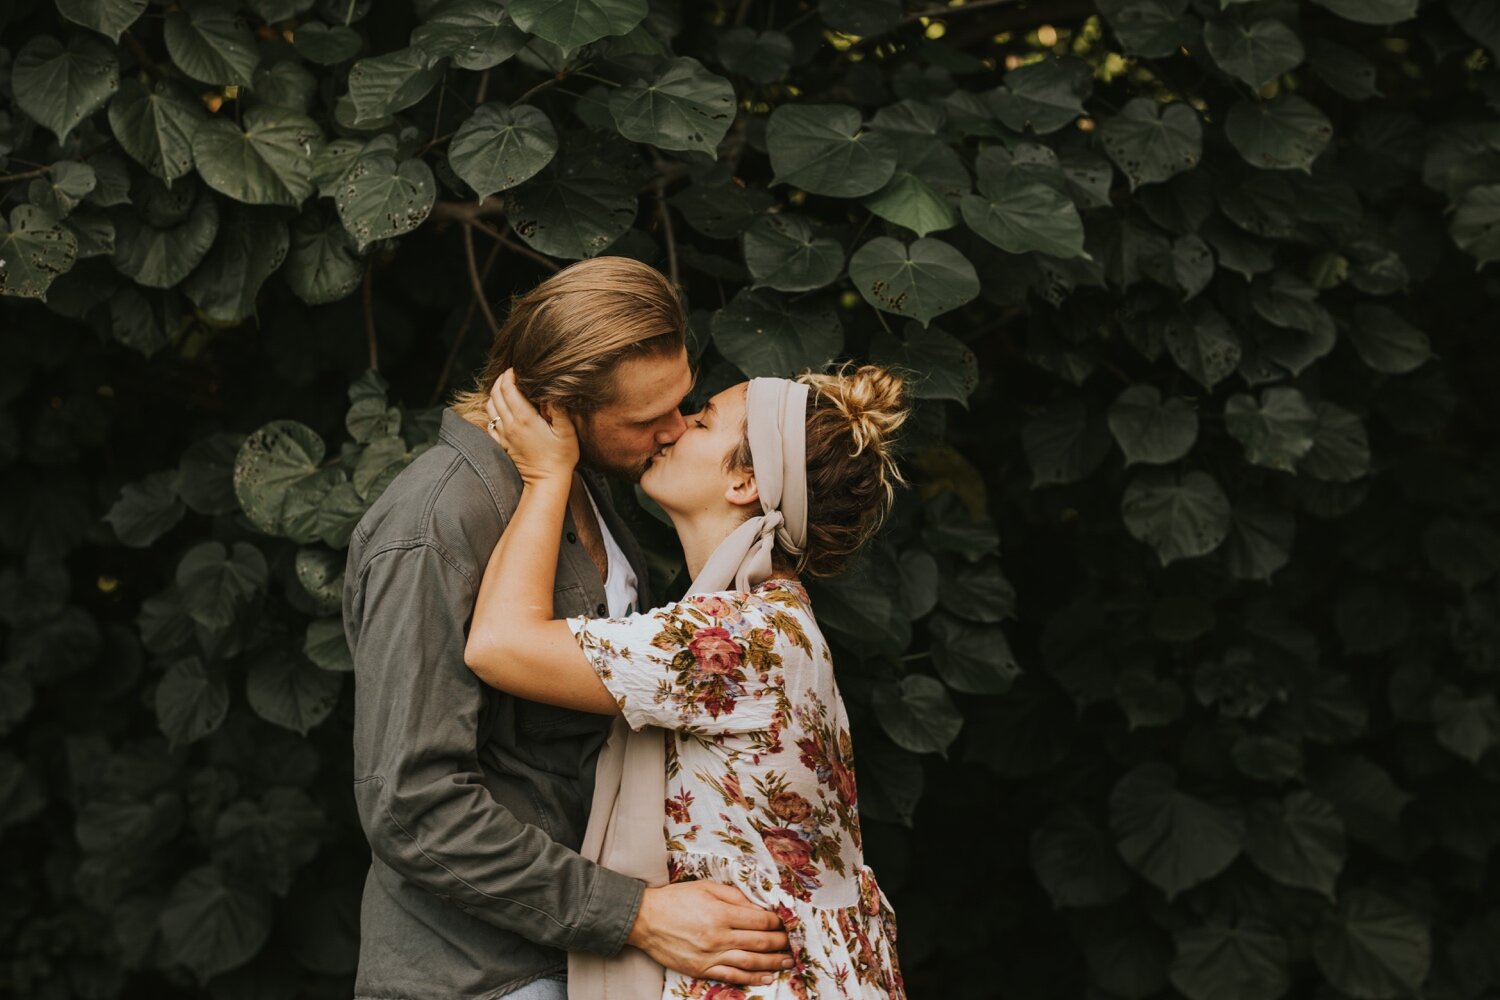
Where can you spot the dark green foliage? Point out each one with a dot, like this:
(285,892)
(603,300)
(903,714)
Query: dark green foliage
(1175,671)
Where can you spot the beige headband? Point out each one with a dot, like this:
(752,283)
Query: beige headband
(776,424)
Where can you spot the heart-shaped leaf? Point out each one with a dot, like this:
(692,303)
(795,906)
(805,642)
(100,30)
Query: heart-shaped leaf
(824,149)
(1151,142)
(61,85)
(269,162)
(498,147)
(211,43)
(923,279)
(684,107)
(765,334)
(34,250)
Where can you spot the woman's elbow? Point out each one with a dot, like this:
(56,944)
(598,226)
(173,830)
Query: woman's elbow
(482,657)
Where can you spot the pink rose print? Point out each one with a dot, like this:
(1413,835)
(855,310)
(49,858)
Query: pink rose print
(787,847)
(723,991)
(715,650)
(791,807)
(714,607)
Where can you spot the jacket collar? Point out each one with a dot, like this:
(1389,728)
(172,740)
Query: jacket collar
(488,459)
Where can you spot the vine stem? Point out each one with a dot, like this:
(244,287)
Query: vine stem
(26,176)
(476,282)
(463,330)
(666,224)
(367,293)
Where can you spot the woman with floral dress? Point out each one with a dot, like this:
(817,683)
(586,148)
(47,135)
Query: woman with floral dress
(773,480)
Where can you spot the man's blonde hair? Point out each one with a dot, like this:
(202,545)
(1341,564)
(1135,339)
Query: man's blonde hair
(565,337)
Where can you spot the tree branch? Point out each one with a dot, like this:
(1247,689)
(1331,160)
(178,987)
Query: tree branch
(27,175)
(469,212)
(518,248)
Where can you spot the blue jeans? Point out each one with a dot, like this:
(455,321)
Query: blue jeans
(548,988)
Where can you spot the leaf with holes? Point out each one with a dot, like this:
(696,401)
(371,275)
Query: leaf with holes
(34,250)
(924,279)
(156,125)
(684,107)
(269,162)
(1151,142)
(61,86)
(379,198)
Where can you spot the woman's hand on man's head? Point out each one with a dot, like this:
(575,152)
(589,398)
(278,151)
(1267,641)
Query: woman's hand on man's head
(543,445)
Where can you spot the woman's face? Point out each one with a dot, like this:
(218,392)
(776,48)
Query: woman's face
(689,476)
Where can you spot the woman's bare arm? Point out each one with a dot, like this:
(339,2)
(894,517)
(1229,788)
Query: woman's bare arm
(514,642)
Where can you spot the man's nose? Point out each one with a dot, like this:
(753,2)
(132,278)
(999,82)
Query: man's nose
(671,429)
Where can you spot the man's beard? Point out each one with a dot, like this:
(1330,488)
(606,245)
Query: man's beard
(591,457)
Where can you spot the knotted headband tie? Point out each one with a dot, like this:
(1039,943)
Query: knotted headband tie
(776,425)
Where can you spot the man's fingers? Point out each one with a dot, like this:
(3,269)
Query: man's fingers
(737,977)
(755,961)
(762,943)
(752,918)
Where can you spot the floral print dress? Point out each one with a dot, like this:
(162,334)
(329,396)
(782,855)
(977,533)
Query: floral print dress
(760,778)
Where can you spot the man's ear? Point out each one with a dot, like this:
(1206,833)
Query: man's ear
(741,490)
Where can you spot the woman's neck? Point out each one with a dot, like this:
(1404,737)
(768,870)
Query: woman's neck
(701,534)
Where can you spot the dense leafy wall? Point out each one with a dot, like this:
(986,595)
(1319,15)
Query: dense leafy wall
(1191,292)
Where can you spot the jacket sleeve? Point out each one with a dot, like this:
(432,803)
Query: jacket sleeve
(418,786)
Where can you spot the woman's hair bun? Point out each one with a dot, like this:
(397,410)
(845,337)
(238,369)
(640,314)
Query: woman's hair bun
(873,399)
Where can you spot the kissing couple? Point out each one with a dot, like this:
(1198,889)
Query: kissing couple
(573,788)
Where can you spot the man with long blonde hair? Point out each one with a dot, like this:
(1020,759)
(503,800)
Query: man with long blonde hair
(475,802)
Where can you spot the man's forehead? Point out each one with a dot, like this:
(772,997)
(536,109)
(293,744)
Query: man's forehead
(645,388)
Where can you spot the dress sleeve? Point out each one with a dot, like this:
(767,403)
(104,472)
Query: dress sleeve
(711,664)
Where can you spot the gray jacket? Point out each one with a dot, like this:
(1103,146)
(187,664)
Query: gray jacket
(474,802)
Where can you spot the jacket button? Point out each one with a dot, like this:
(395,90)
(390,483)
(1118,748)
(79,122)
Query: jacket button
(601,610)
(573,537)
